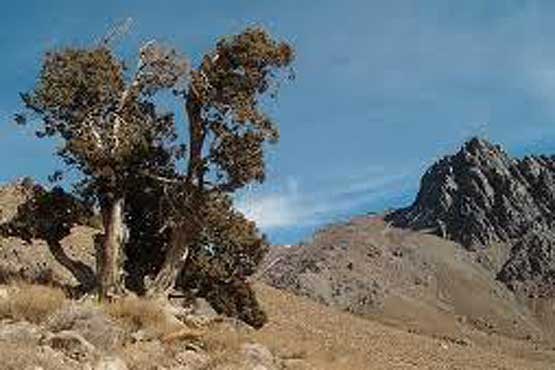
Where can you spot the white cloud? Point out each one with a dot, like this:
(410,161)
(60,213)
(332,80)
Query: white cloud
(289,207)
(270,211)
(274,210)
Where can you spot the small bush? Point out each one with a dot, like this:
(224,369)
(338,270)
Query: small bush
(136,314)
(224,346)
(32,303)
(237,299)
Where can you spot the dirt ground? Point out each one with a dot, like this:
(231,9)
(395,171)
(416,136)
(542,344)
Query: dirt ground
(319,337)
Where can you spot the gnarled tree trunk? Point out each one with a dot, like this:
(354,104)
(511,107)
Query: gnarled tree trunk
(83,273)
(184,234)
(110,255)
(180,242)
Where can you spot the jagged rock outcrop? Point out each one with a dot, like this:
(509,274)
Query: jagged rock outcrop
(530,270)
(480,195)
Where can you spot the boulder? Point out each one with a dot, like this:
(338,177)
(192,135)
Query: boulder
(192,360)
(71,344)
(20,332)
(259,357)
(91,323)
(110,363)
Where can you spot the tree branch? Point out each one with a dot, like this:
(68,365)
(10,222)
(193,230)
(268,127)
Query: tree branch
(161,178)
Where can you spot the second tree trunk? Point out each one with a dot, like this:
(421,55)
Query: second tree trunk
(110,258)
(175,259)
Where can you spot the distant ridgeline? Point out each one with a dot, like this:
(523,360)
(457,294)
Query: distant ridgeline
(480,196)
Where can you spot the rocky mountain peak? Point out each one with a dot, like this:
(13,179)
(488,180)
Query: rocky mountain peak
(481,195)
(477,144)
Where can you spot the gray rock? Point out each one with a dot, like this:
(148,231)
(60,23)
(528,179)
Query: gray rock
(21,332)
(110,363)
(201,307)
(192,360)
(72,344)
(480,196)
(259,357)
(4,293)
(91,323)
(530,271)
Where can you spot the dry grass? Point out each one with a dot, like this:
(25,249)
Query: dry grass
(304,334)
(223,344)
(32,303)
(20,356)
(141,314)
(308,335)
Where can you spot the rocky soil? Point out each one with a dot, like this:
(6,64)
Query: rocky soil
(133,334)
(404,278)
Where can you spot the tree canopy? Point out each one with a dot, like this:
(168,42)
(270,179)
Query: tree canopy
(165,222)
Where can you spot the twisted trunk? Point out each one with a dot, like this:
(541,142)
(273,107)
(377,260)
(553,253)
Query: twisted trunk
(110,257)
(184,233)
(83,273)
(181,239)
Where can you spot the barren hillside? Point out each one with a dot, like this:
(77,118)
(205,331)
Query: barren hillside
(473,256)
(405,278)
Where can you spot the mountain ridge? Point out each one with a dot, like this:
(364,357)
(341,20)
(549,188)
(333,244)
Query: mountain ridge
(476,245)
(481,195)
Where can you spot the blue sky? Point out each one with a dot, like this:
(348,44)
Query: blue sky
(383,89)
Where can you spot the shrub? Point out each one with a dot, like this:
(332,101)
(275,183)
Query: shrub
(32,302)
(137,313)
(237,299)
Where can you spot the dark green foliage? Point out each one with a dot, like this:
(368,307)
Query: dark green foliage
(235,299)
(146,217)
(110,128)
(47,215)
(226,89)
(50,215)
(227,251)
(174,198)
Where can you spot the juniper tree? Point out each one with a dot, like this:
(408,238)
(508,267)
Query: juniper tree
(109,128)
(223,255)
(128,155)
(227,134)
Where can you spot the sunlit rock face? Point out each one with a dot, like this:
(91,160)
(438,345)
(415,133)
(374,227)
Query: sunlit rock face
(480,195)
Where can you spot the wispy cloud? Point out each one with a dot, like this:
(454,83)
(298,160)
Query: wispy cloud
(291,206)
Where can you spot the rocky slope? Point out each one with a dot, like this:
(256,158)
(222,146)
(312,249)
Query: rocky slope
(32,260)
(474,249)
(404,278)
(301,335)
(463,278)
(39,329)
(481,196)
